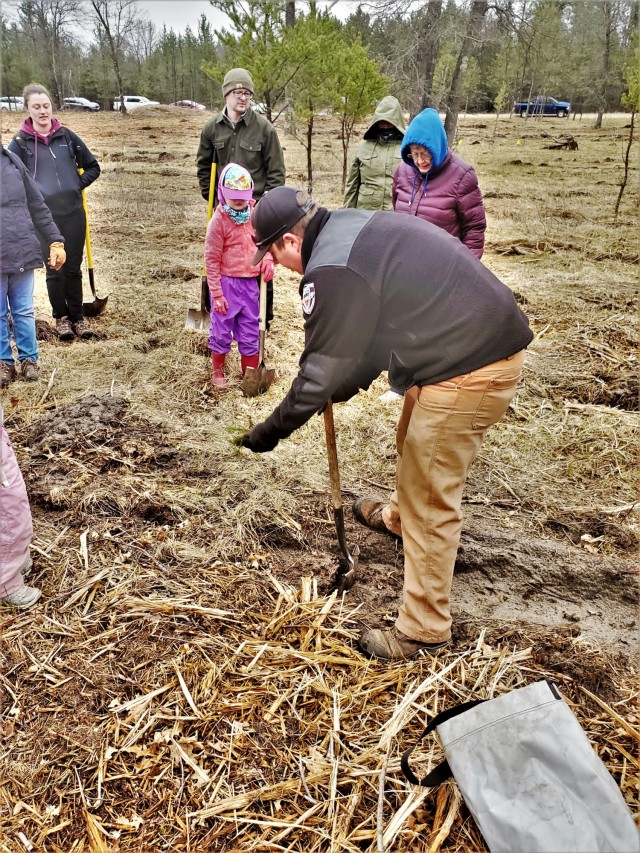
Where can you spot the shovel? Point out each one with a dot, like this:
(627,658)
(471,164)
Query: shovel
(346,573)
(259,380)
(99,303)
(199,321)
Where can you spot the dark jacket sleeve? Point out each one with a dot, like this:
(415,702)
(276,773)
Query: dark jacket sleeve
(18,150)
(84,160)
(204,158)
(273,160)
(338,332)
(46,229)
(471,213)
(353,184)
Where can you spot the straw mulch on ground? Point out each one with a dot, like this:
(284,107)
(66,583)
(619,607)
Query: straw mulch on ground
(218,709)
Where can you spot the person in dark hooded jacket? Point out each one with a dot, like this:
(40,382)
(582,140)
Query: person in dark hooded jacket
(377,158)
(53,154)
(27,230)
(437,185)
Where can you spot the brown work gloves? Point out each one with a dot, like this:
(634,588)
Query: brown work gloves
(57,255)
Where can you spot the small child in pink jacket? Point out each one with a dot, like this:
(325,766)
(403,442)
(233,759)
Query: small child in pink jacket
(16,530)
(232,278)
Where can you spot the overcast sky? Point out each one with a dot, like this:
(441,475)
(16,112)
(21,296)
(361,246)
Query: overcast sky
(182,13)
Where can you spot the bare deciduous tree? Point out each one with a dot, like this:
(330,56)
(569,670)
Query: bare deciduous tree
(50,21)
(115,20)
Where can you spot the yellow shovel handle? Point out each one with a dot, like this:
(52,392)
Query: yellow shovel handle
(87,233)
(212,188)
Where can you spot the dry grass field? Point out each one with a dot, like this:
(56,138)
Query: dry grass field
(186,683)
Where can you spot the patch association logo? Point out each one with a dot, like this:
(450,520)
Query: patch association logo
(308,297)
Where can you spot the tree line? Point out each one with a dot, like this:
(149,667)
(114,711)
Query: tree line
(454,55)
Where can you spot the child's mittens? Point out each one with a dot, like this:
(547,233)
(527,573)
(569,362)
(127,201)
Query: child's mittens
(267,268)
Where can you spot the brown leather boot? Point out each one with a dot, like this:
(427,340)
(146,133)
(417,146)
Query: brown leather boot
(248,361)
(368,511)
(217,376)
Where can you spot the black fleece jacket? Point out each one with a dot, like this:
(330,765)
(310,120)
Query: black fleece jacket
(387,292)
(54,166)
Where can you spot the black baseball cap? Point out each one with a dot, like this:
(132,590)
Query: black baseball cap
(275,213)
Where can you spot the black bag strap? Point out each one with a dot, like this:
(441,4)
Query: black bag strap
(442,772)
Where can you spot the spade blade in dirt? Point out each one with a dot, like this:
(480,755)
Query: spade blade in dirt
(199,321)
(99,303)
(258,380)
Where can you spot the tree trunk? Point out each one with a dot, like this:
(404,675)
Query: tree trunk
(290,14)
(467,49)
(309,158)
(606,10)
(429,51)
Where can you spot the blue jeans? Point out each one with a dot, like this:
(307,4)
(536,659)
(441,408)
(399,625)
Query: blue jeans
(16,295)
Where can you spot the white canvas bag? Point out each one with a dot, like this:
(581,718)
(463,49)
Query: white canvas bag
(529,775)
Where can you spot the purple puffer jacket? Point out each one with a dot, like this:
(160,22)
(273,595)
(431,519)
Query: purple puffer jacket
(451,199)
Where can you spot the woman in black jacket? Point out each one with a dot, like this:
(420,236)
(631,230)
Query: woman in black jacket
(53,154)
(26,225)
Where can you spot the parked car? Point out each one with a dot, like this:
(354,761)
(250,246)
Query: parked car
(11,103)
(259,107)
(188,105)
(80,104)
(542,106)
(134,102)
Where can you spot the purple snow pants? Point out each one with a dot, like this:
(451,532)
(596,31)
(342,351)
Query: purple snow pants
(240,323)
(16,528)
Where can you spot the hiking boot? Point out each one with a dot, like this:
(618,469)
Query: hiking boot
(22,598)
(7,373)
(368,511)
(64,329)
(30,370)
(392,644)
(82,329)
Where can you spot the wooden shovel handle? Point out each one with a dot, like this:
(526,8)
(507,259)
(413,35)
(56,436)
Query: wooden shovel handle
(332,456)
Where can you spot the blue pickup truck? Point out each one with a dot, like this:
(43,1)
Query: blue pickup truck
(542,106)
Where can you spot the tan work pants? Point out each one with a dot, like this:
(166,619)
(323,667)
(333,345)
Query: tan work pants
(439,434)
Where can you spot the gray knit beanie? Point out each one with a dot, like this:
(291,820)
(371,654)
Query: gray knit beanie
(237,78)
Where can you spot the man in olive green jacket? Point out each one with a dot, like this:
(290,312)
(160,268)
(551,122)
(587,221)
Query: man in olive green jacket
(377,157)
(239,135)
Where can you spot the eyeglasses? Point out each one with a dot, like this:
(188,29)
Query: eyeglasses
(241,93)
(420,153)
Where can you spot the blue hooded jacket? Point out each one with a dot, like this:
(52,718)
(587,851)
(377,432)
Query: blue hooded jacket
(448,195)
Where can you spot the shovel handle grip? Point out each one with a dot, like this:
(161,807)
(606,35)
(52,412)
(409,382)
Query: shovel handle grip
(332,456)
(263,304)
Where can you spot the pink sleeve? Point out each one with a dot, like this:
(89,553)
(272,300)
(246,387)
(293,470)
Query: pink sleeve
(213,248)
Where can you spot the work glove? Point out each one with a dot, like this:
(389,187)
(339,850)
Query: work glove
(267,268)
(57,255)
(252,441)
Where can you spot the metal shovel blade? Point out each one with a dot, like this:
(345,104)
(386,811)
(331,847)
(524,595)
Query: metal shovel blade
(257,380)
(345,575)
(96,307)
(197,321)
